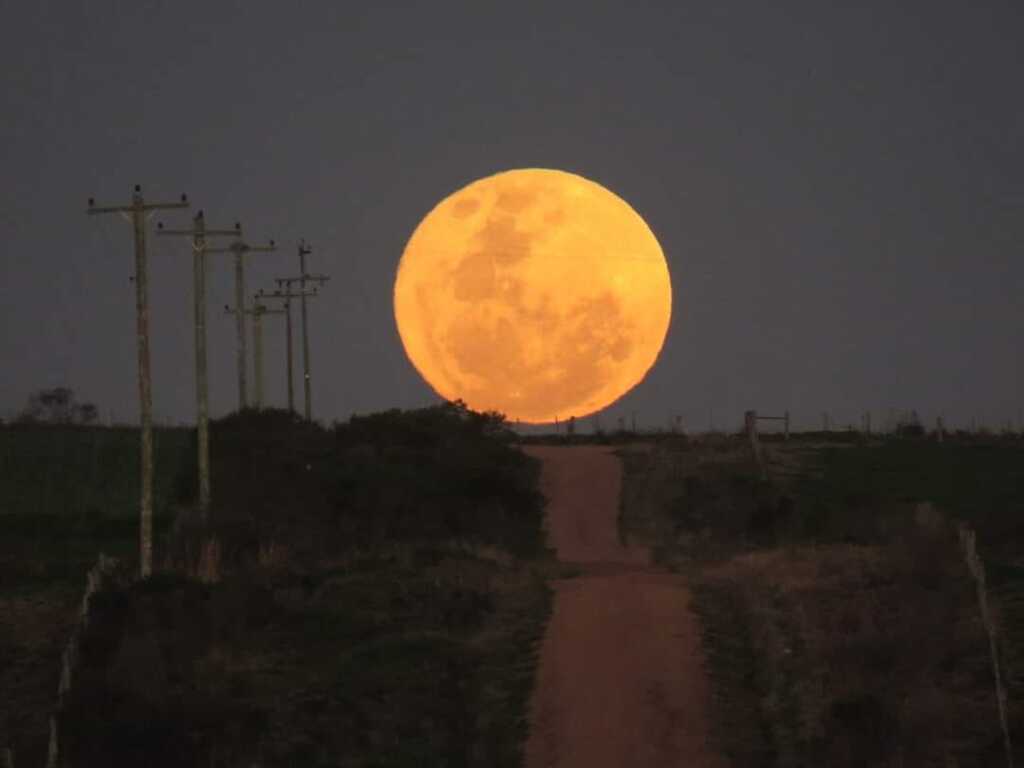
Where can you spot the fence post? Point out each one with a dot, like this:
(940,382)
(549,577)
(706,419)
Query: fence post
(940,428)
(785,427)
(95,580)
(968,540)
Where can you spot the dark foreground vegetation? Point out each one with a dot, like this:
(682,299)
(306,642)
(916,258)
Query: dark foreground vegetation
(842,625)
(368,594)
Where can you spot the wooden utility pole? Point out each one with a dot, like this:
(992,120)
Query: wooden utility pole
(137,213)
(199,233)
(239,249)
(256,311)
(303,278)
(286,296)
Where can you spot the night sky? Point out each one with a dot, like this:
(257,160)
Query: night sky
(838,188)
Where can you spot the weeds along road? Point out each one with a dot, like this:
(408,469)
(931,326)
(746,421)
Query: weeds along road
(621,680)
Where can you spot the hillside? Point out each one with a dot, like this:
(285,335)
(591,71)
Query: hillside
(841,620)
(373,589)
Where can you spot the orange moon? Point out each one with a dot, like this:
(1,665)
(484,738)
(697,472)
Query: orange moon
(535,293)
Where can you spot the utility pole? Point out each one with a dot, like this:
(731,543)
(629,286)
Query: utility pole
(199,233)
(257,311)
(302,279)
(239,249)
(137,213)
(286,296)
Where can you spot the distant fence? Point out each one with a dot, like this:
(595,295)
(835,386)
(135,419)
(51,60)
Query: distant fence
(750,419)
(968,541)
(96,579)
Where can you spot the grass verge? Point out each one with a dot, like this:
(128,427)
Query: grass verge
(840,623)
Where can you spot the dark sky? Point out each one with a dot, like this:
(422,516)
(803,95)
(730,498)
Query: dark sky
(838,188)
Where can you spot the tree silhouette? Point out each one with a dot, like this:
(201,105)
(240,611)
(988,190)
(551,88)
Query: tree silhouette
(57,406)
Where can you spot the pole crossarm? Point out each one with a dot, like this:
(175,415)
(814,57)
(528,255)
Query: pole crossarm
(285,295)
(240,247)
(232,311)
(263,309)
(321,279)
(95,209)
(205,232)
(258,309)
(200,230)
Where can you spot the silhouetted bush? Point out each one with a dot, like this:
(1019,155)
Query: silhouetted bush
(435,474)
(57,406)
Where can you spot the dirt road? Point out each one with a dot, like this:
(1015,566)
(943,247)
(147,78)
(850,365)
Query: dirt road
(620,682)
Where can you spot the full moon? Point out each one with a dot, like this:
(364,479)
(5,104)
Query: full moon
(535,293)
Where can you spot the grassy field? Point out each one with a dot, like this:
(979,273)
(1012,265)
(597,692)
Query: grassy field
(841,623)
(373,594)
(370,594)
(66,494)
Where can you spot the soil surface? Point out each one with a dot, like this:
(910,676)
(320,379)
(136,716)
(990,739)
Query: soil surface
(621,680)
